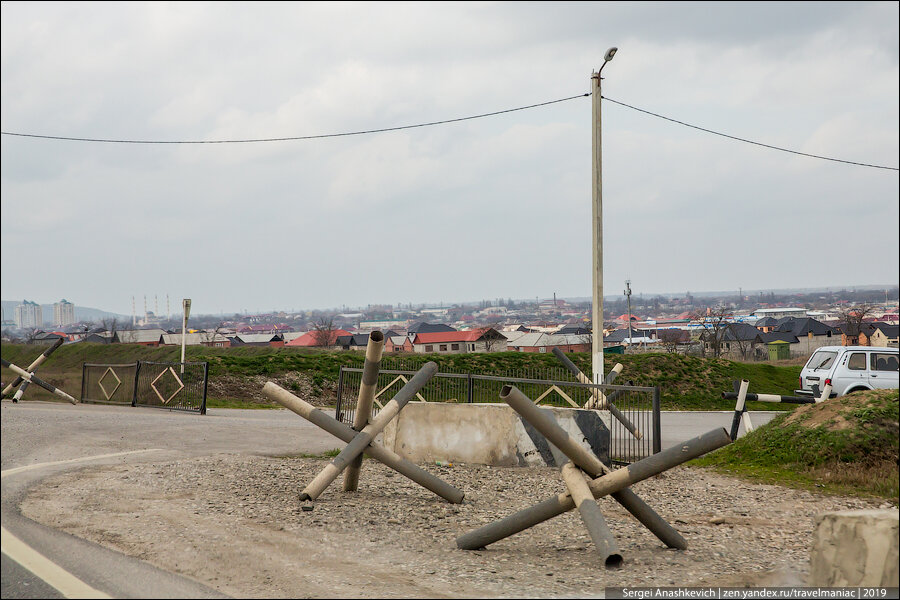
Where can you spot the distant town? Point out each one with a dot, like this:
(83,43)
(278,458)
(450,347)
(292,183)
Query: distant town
(763,326)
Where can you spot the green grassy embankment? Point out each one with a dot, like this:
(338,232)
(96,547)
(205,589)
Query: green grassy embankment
(237,374)
(847,445)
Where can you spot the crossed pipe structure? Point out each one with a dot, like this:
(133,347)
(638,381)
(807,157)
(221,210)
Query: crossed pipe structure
(27,376)
(740,408)
(599,400)
(360,438)
(601,481)
(585,476)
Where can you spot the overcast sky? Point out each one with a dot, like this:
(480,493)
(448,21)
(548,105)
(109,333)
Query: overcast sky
(485,208)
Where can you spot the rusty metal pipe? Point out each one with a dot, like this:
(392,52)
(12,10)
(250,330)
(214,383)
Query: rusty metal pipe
(364,402)
(30,377)
(360,441)
(599,399)
(33,366)
(344,432)
(591,516)
(608,484)
(544,422)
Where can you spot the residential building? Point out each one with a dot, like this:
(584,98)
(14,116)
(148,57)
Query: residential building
(63,313)
(275,340)
(423,327)
(321,339)
(201,338)
(397,343)
(29,315)
(144,337)
(354,341)
(777,313)
(879,334)
(483,339)
(810,334)
(546,342)
(49,337)
(382,325)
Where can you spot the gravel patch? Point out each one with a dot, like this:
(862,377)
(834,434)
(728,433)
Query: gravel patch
(236,523)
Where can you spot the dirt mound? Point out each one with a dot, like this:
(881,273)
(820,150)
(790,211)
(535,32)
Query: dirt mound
(249,388)
(866,409)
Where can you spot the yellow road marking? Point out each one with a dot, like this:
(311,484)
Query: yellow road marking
(67,584)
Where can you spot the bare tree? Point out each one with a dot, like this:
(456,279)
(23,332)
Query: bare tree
(739,336)
(494,341)
(110,326)
(209,336)
(714,322)
(852,318)
(670,338)
(30,335)
(324,333)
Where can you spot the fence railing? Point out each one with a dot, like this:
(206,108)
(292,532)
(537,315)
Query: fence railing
(175,386)
(639,404)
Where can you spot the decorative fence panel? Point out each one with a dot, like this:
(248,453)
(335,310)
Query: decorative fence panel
(175,386)
(108,384)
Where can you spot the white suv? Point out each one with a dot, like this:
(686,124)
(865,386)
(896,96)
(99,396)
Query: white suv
(850,369)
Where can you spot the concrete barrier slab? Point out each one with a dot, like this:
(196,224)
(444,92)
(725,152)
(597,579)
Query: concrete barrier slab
(855,548)
(489,434)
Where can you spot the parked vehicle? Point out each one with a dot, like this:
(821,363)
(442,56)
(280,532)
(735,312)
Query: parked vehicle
(850,369)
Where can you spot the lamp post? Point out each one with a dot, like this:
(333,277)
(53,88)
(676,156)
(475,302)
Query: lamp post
(628,297)
(597,226)
(186,306)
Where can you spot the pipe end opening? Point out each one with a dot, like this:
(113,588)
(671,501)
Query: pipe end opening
(613,561)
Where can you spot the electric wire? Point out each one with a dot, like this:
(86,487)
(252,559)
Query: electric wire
(295,138)
(849,162)
(442,122)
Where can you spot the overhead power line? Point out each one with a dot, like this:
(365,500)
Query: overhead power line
(295,138)
(849,162)
(443,122)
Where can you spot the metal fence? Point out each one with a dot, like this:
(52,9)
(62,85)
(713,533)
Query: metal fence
(640,405)
(175,386)
(108,384)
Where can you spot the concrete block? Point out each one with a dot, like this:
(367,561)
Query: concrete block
(855,548)
(489,434)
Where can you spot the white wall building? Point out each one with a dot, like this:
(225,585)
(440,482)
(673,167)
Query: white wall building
(63,313)
(29,315)
(778,313)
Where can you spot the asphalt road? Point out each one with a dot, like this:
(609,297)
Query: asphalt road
(40,439)
(678,426)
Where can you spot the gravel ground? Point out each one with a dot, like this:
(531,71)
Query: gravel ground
(236,524)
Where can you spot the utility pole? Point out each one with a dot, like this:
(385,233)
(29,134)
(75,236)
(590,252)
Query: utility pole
(597,225)
(186,308)
(628,299)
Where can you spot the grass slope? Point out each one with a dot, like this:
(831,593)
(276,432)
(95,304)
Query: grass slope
(846,445)
(686,383)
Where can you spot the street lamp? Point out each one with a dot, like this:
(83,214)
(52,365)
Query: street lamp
(597,226)
(186,307)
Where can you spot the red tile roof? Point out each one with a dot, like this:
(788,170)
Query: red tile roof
(309,338)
